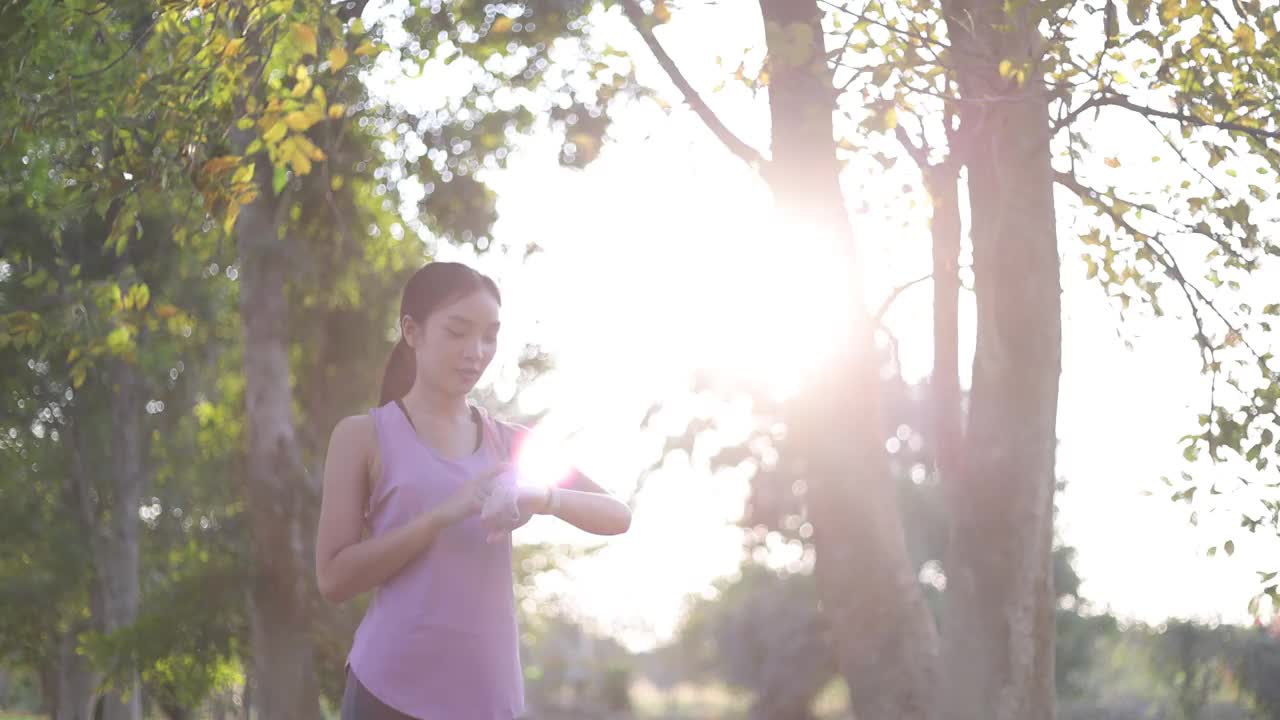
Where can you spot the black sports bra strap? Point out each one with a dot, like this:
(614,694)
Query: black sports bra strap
(475,417)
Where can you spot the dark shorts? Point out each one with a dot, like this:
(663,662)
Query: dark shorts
(360,704)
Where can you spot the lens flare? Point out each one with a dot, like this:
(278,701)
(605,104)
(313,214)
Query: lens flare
(543,457)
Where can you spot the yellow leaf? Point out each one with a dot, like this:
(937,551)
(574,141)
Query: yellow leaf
(166,310)
(233,212)
(304,146)
(298,120)
(220,165)
(302,87)
(336,111)
(337,58)
(1246,38)
(501,25)
(140,295)
(118,340)
(232,47)
(71,356)
(891,118)
(366,48)
(275,133)
(335,182)
(305,35)
(301,164)
(243,174)
(1112,162)
(661,12)
(1006,68)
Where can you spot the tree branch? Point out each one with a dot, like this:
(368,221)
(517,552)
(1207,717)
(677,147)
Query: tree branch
(1187,228)
(141,36)
(1163,255)
(878,318)
(1123,102)
(745,152)
(1208,353)
(925,40)
(918,153)
(1182,156)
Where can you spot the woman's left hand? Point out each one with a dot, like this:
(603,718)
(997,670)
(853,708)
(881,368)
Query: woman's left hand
(510,506)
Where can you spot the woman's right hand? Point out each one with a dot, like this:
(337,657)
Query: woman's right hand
(470,498)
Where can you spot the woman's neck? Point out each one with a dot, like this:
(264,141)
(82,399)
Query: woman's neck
(426,401)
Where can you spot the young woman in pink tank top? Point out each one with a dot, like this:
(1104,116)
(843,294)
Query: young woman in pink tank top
(420,498)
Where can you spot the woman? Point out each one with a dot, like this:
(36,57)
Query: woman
(420,496)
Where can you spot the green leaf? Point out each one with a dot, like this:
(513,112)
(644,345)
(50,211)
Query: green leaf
(118,340)
(279,176)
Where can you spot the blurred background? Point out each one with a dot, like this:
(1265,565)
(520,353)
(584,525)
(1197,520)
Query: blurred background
(930,341)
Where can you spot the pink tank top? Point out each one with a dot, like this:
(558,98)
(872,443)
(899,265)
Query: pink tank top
(440,640)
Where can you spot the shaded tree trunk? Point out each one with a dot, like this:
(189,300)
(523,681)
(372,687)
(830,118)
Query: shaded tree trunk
(116,546)
(68,687)
(104,491)
(942,182)
(999,612)
(884,638)
(275,479)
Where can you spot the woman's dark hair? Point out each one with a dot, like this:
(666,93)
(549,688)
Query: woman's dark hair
(432,286)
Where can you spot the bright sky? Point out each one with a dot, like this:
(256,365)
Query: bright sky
(633,289)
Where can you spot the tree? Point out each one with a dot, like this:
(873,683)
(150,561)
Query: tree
(1006,94)
(258,109)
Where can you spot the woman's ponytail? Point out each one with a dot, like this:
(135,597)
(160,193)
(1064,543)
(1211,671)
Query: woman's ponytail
(397,379)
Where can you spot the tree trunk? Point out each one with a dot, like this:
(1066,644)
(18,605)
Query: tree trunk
(116,547)
(275,483)
(69,686)
(999,613)
(942,182)
(104,489)
(884,638)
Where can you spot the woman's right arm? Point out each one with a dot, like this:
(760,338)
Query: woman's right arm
(346,565)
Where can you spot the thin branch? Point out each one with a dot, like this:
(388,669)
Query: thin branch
(136,43)
(1208,353)
(1066,120)
(1123,102)
(921,32)
(983,100)
(919,153)
(1189,229)
(748,154)
(91,13)
(1182,156)
(925,39)
(878,318)
(1166,259)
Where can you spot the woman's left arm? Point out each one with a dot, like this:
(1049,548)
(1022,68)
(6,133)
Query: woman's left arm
(581,502)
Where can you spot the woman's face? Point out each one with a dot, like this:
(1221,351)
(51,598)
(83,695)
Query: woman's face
(457,342)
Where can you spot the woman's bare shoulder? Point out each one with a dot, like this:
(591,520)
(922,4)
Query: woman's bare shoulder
(355,437)
(355,432)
